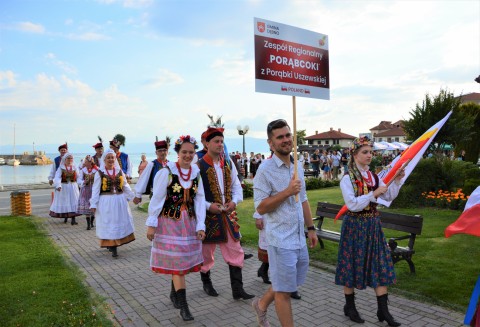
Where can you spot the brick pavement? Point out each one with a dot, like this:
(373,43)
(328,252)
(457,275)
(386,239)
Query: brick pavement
(138,297)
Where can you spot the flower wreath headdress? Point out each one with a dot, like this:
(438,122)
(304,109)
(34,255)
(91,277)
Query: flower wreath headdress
(186,138)
(361,141)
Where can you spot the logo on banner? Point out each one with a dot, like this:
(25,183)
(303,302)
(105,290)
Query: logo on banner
(261,27)
(322,41)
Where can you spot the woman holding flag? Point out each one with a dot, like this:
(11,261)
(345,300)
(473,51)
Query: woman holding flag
(363,256)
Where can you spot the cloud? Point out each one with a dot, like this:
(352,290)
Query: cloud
(235,69)
(164,78)
(88,36)
(66,67)
(7,79)
(30,27)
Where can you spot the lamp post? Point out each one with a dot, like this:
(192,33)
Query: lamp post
(243,131)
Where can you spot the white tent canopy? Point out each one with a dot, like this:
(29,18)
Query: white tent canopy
(379,146)
(401,145)
(390,146)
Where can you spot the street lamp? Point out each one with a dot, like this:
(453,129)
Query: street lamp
(243,131)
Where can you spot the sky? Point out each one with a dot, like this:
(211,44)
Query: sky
(72,70)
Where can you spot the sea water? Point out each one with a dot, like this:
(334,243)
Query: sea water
(14,175)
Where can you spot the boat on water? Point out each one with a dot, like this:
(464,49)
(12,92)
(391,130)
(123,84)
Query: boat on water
(13,161)
(2,161)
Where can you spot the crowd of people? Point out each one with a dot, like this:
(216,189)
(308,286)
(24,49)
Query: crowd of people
(325,164)
(192,211)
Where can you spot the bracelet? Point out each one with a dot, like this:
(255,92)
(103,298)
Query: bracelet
(311,228)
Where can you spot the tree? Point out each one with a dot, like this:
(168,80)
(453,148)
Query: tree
(301,135)
(471,146)
(433,109)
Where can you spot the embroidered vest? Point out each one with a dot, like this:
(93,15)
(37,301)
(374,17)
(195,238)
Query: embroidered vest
(155,169)
(111,185)
(359,189)
(217,225)
(57,162)
(96,160)
(69,176)
(179,198)
(88,178)
(122,161)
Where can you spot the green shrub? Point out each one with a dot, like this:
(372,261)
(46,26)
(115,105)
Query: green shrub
(247,190)
(470,186)
(433,175)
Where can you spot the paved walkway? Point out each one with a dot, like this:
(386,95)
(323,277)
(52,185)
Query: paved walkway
(138,297)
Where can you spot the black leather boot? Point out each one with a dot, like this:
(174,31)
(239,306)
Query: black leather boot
(350,310)
(207,284)
(237,284)
(383,313)
(65,220)
(91,221)
(182,300)
(74,222)
(89,224)
(173,297)
(114,251)
(263,272)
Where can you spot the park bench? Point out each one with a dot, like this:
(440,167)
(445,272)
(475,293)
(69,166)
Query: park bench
(309,172)
(412,225)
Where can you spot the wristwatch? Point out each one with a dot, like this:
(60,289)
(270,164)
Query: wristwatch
(311,228)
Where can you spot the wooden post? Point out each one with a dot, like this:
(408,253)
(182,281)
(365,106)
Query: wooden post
(295,162)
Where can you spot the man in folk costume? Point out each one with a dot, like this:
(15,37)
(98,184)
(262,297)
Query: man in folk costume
(122,157)
(223,192)
(98,152)
(145,181)
(62,149)
(199,155)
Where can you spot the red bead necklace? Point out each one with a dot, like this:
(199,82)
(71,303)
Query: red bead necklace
(369,179)
(111,176)
(185,177)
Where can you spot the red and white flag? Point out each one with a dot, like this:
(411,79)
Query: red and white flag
(469,220)
(407,160)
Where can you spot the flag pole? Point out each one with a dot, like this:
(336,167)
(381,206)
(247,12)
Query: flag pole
(295,163)
(405,164)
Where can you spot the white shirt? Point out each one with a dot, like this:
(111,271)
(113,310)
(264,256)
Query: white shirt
(81,173)
(57,180)
(236,186)
(358,203)
(97,183)
(141,186)
(160,183)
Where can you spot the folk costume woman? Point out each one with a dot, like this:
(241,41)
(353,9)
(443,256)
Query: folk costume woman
(86,177)
(65,200)
(176,221)
(109,201)
(363,256)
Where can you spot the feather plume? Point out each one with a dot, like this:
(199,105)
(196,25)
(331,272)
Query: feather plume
(215,122)
(100,139)
(168,139)
(120,139)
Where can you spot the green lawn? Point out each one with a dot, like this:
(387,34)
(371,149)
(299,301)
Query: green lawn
(38,286)
(446,269)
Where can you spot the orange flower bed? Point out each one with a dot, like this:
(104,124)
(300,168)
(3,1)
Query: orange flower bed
(446,199)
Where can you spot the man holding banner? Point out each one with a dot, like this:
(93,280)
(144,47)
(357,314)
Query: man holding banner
(274,188)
